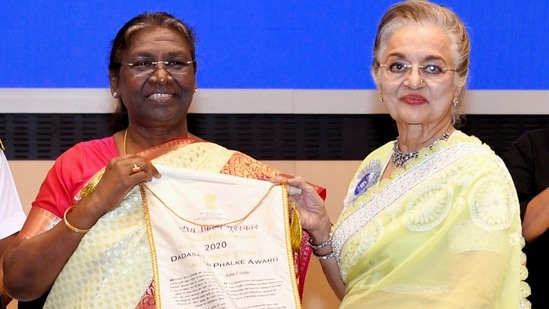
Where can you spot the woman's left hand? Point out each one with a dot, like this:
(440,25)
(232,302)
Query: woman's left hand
(311,207)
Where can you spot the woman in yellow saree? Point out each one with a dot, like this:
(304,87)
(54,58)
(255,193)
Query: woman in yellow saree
(430,220)
(152,73)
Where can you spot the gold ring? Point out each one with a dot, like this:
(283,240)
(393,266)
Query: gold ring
(136,169)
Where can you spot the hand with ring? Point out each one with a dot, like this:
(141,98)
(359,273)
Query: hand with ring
(120,176)
(136,169)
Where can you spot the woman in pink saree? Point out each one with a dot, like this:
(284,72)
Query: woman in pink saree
(152,74)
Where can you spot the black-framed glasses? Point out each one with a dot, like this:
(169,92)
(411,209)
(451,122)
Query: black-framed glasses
(429,72)
(147,67)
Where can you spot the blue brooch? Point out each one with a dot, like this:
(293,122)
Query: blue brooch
(368,176)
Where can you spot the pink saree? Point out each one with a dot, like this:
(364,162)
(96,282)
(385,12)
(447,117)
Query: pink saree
(84,162)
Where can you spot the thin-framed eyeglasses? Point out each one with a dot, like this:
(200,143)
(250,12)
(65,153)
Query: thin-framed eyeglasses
(429,72)
(147,67)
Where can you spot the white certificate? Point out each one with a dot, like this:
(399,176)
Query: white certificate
(219,241)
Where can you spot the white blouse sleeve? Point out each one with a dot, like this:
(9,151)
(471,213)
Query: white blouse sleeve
(12,216)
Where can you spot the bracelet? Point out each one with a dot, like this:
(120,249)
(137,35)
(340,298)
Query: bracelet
(72,228)
(327,242)
(330,255)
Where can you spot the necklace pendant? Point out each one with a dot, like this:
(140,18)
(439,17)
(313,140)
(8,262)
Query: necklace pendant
(400,158)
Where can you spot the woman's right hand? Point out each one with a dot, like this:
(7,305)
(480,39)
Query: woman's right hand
(35,259)
(120,176)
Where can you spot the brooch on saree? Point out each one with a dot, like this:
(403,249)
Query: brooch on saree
(366,177)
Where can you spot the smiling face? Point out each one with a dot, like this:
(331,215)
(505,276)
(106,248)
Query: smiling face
(409,100)
(159,99)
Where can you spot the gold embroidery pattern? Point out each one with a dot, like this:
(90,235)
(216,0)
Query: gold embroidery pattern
(244,166)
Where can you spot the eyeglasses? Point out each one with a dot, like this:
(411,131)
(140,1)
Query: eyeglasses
(174,67)
(398,70)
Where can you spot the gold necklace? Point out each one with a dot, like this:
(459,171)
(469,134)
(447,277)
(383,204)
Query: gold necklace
(124,143)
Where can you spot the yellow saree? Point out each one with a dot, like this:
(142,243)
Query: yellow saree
(443,232)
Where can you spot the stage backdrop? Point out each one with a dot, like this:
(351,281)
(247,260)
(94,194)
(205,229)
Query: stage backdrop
(297,57)
(275,44)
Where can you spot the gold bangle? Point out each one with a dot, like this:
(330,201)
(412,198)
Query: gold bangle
(72,228)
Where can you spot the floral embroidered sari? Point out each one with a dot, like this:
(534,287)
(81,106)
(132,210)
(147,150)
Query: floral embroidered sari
(442,232)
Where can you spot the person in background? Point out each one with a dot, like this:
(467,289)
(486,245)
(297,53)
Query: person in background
(152,73)
(528,162)
(12,215)
(431,219)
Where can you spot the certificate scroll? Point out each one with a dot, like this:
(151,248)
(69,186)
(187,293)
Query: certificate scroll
(219,241)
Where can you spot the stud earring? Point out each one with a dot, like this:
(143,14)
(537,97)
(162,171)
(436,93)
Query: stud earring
(455,102)
(195,90)
(115,94)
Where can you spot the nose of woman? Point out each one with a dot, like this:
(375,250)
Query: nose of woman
(160,75)
(414,79)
